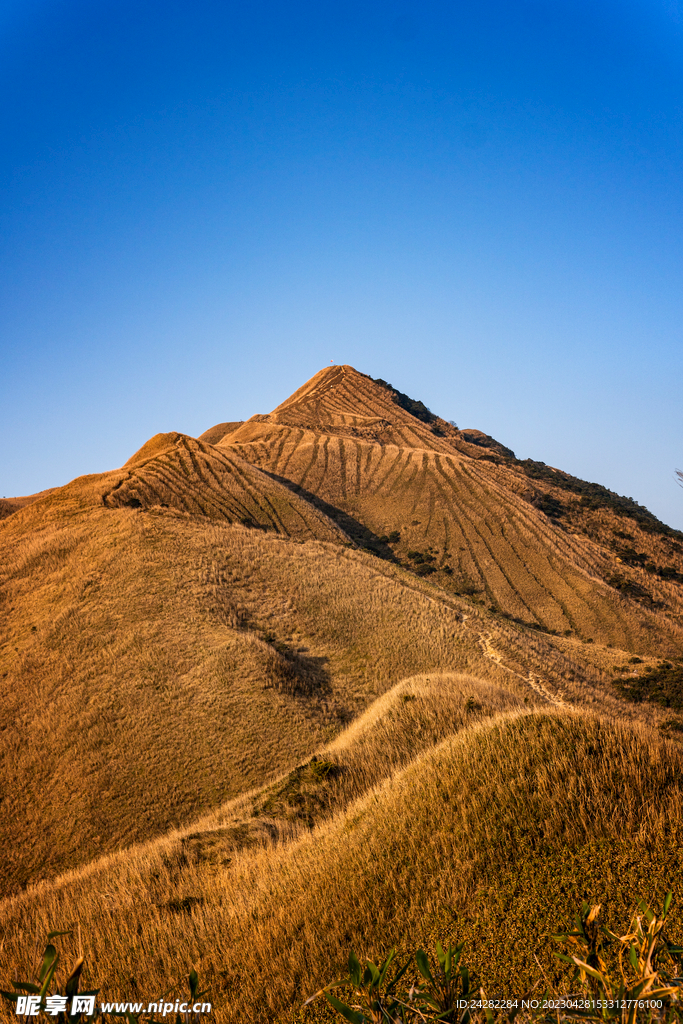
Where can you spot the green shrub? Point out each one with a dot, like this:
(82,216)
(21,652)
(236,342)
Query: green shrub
(661,685)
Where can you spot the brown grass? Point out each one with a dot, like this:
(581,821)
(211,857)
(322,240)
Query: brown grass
(495,836)
(153,667)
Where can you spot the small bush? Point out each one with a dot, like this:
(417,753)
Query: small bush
(662,685)
(424,569)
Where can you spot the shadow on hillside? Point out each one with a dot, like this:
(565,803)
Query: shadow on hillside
(357,531)
(294,672)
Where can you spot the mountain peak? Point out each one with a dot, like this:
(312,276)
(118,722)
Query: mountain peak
(342,400)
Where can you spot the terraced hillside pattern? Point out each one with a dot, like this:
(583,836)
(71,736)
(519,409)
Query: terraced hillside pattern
(477,524)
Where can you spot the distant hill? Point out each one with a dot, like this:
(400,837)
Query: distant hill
(215,434)
(10,505)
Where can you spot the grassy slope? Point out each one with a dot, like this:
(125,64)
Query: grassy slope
(154,665)
(8,506)
(158,660)
(494,835)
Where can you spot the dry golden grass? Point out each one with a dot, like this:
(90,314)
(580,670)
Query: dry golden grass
(215,434)
(10,505)
(153,666)
(494,835)
(173,473)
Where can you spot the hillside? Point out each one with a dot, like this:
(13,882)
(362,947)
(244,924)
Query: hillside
(495,836)
(10,505)
(248,679)
(153,666)
(418,492)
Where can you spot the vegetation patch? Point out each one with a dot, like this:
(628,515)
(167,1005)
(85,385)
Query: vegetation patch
(672,726)
(411,405)
(661,685)
(631,588)
(302,794)
(595,496)
(421,557)
(292,672)
(641,560)
(552,507)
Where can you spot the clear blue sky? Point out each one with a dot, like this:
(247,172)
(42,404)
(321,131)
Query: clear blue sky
(204,203)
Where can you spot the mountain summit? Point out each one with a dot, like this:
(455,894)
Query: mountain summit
(512,534)
(340,401)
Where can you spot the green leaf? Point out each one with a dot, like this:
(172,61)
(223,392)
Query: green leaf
(633,957)
(47,981)
(371,975)
(321,992)
(423,965)
(385,967)
(53,935)
(397,977)
(12,996)
(26,986)
(355,970)
(567,959)
(49,957)
(667,903)
(351,1015)
(194,982)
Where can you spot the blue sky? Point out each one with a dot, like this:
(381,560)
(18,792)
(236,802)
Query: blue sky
(202,204)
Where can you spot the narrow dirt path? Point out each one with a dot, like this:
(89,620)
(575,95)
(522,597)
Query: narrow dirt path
(534,681)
